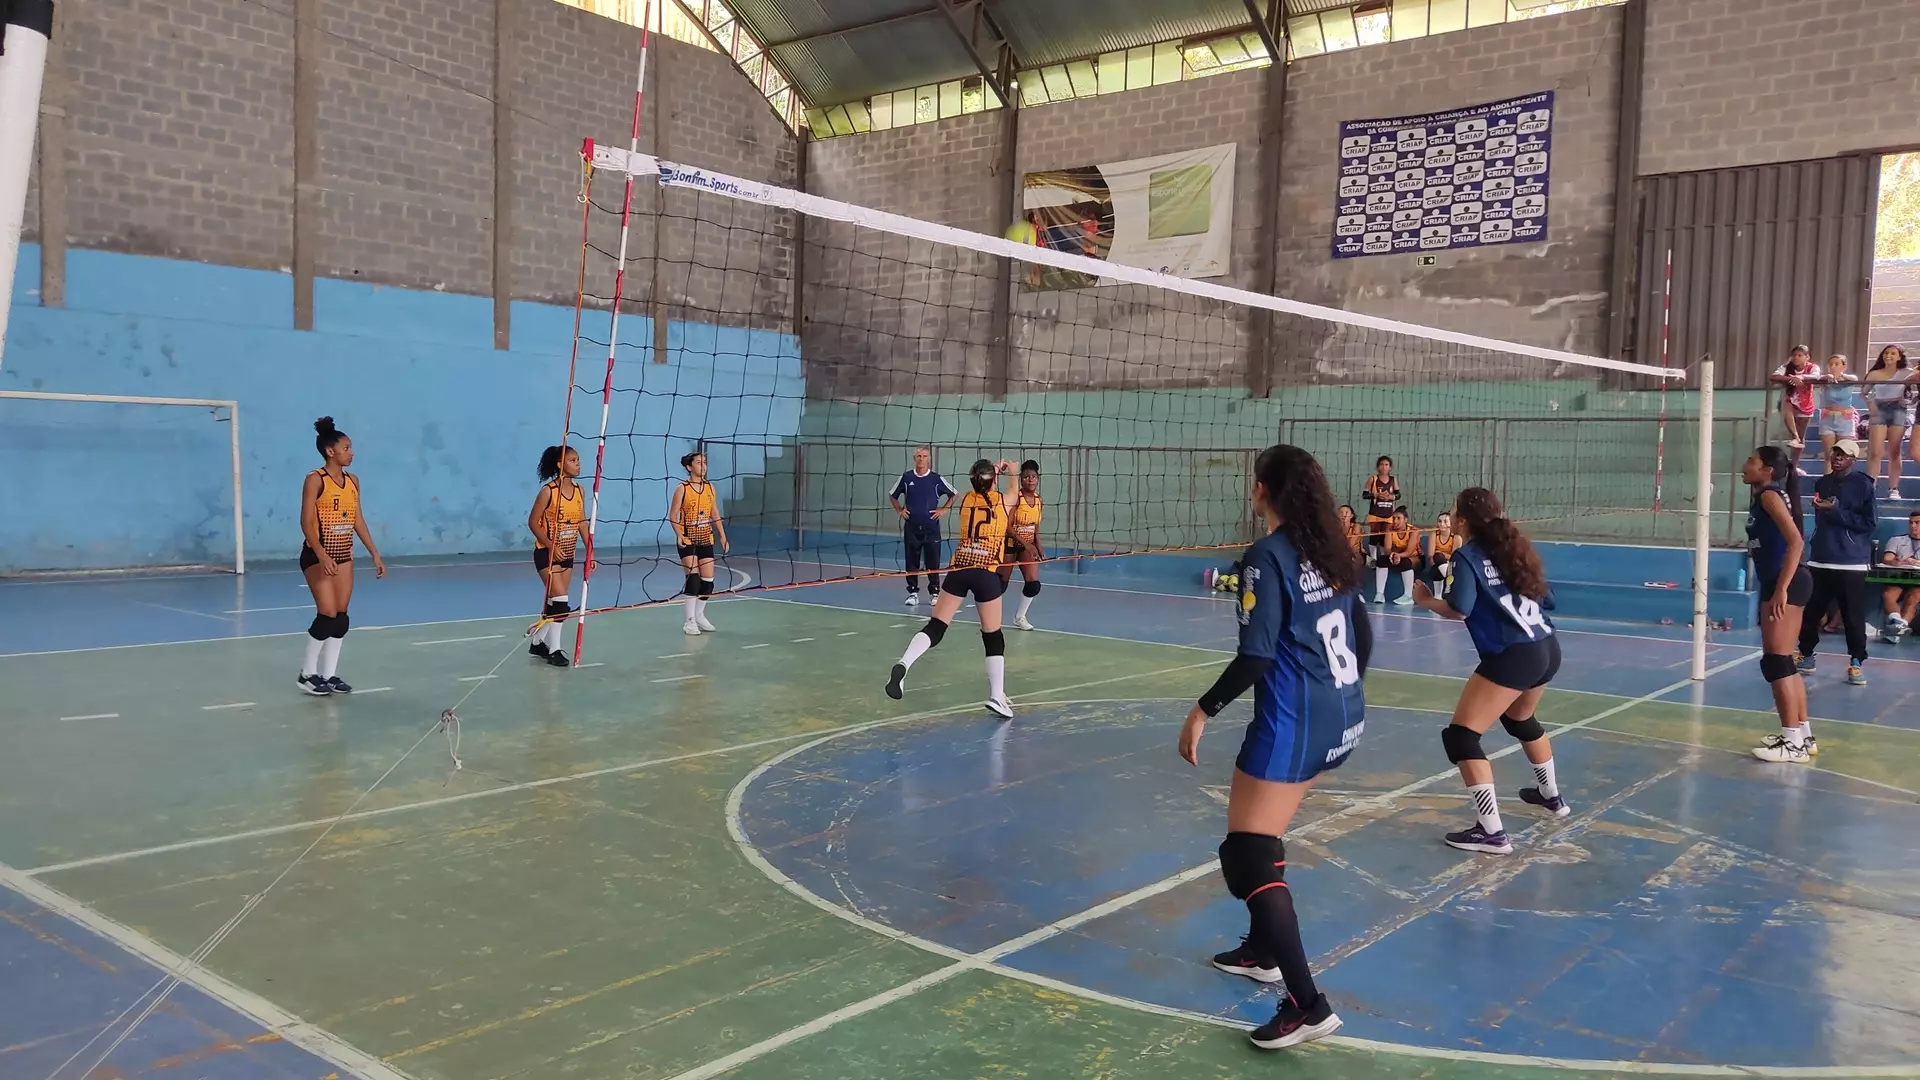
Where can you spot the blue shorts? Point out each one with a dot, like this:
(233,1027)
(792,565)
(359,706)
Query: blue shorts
(1290,751)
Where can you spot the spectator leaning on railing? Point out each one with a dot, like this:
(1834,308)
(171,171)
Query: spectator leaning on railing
(1841,554)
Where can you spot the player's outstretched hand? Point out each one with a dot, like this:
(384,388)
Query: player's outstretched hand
(1421,592)
(1190,733)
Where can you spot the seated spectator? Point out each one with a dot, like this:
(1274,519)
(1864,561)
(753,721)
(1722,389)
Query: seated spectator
(1356,535)
(1399,554)
(1440,548)
(1902,601)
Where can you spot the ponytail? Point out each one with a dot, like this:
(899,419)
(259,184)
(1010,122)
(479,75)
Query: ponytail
(1508,548)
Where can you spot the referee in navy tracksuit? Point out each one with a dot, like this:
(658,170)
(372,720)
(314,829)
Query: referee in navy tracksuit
(917,498)
(1845,512)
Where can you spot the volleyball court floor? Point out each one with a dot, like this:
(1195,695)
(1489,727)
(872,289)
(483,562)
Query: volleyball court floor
(732,855)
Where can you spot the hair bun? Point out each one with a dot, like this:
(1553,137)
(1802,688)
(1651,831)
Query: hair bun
(324,425)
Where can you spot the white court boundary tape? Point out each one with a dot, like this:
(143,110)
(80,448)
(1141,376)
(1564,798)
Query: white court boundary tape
(988,959)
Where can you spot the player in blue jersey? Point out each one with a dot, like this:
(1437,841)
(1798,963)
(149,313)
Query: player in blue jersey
(1304,643)
(1499,589)
(1774,542)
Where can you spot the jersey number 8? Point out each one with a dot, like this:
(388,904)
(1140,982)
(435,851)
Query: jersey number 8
(1525,612)
(1341,661)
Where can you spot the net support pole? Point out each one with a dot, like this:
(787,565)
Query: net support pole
(239,516)
(1702,520)
(24,36)
(613,328)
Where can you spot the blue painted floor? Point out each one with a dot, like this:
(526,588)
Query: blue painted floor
(1690,893)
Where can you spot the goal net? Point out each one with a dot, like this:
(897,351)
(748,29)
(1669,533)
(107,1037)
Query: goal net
(808,347)
(162,483)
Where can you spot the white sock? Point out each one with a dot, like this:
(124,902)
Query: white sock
(1025,603)
(1806,727)
(916,648)
(1379,581)
(693,608)
(330,657)
(311,666)
(1486,805)
(1543,776)
(553,632)
(1796,736)
(996,677)
(1406,583)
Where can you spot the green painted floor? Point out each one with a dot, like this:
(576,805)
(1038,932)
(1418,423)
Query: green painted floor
(517,918)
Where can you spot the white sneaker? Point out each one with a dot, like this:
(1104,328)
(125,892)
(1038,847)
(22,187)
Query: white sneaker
(1379,598)
(691,628)
(1776,749)
(913,599)
(1020,622)
(1404,601)
(704,625)
(1000,707)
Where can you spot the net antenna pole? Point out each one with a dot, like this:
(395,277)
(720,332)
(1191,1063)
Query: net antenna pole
(1660,442)
(1703,502)
(25,27)
(613,325)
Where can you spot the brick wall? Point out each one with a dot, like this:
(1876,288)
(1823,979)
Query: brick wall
(181,121)
(887,315)
(1747,82)
(1550,294)
(182,146)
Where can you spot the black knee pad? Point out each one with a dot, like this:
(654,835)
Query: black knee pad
(935,630)
(706,586)
(1463,744)
(692,585)
(557,609)
(340,625)
(995,642)
(1251,862)
(321,628)
(1031,588)
(1525,730)
(1777,666)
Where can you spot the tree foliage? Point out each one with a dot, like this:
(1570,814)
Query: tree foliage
(1897,234)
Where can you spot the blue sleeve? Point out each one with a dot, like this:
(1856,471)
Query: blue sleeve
(899,487)
(1463,589)
(1862,511)
(1546,602)
(1262,605)
(945,488)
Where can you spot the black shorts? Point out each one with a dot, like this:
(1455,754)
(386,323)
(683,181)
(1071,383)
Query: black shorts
(1523,667)
(982,584)
(308,559)
(696,551)
(1799,590)
(543,559)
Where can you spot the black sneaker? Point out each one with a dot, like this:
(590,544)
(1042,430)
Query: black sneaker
(337,686)
(539,649)
(313,684)
(558,659)
(894,680)
(1555,804)
(1293,1025)
(1243,961)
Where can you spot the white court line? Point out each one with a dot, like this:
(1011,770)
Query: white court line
(798,640)
(461,640)
(762,645)
(92,716)
(373,690)
(583,667)
(254,610)
(317,1041)
(850,633)
(477,678)
(181,610)
(673,656)
(987,958)
(228,705)
(679,678)
(529,785)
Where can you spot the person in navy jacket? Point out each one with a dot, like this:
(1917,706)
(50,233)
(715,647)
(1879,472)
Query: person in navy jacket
(921,497)
(1845,512)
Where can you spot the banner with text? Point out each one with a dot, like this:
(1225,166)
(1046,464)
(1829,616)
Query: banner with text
(1172,213)
(1457,179)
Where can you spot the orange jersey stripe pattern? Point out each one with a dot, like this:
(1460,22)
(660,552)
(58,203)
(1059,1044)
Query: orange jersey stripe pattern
(698,508)
(983,532)
(338,508)
(1026,518)
(565,518)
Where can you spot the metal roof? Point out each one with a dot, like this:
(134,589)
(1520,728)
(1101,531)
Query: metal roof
(837,51)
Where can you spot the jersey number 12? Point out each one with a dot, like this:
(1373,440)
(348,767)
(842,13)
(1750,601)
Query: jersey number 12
(1341,661)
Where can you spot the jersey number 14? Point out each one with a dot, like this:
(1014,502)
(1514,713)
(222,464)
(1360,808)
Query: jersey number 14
(1334,639)
(1525,613)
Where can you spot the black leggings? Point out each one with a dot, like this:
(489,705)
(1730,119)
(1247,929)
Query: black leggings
(1848,589)
(923,552)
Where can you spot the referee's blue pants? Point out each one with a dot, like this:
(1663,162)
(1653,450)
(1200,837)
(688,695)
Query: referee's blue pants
(923,553)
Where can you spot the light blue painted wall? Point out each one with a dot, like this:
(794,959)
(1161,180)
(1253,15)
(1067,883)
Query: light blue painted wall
(447,429)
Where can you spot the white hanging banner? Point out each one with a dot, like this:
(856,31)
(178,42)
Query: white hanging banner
(1172,214)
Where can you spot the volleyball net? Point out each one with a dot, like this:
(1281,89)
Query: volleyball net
(808,347)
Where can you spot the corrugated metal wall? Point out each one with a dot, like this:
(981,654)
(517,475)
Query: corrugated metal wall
(1764,258)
